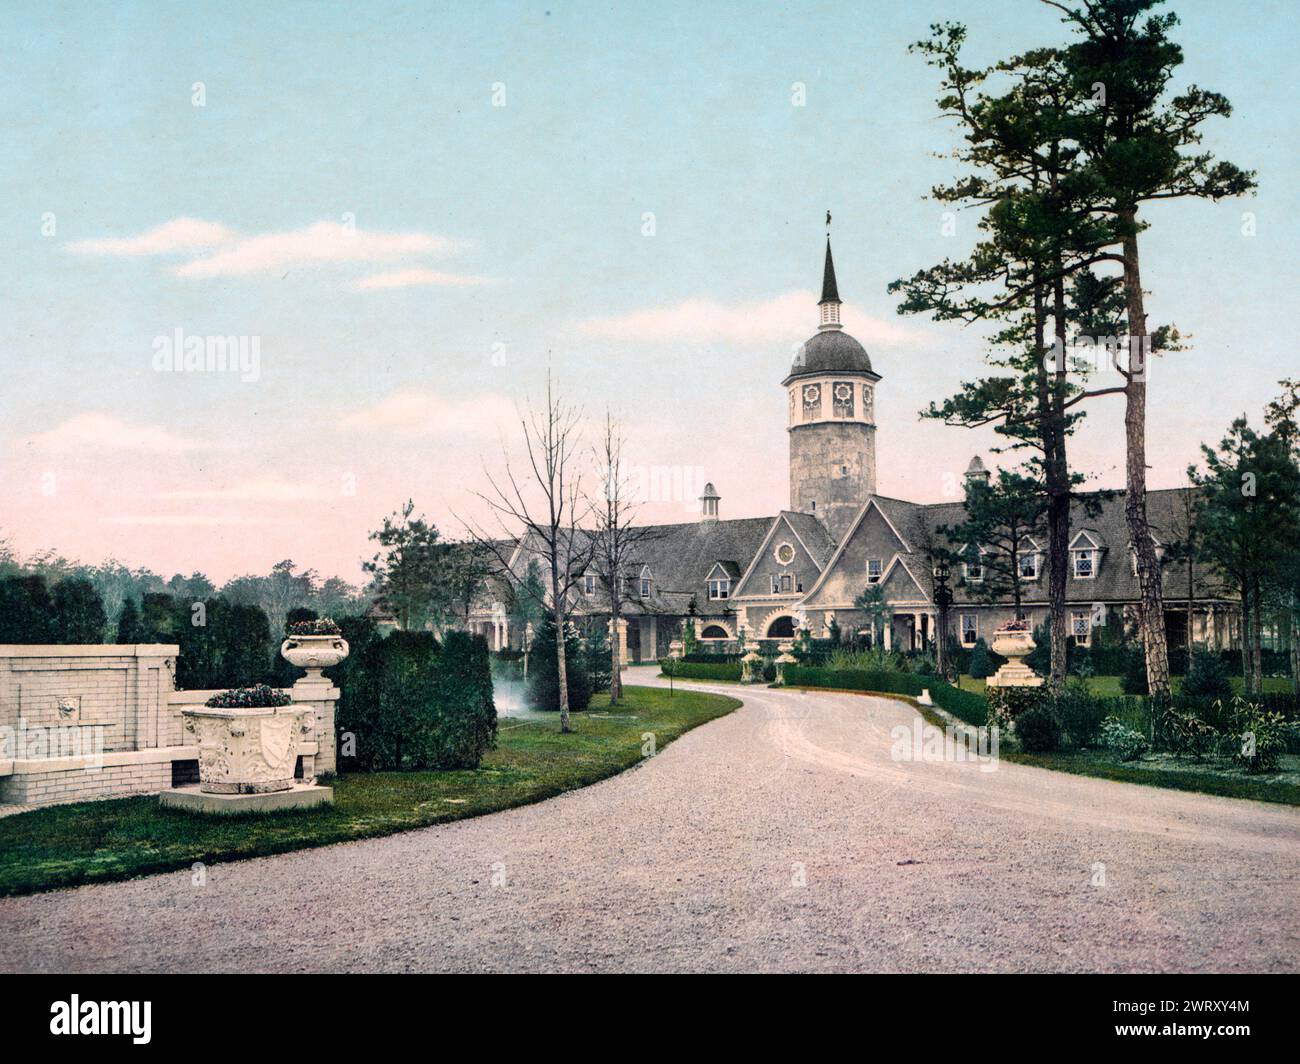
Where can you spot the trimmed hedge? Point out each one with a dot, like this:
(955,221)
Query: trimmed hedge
(699,670)
(966,706)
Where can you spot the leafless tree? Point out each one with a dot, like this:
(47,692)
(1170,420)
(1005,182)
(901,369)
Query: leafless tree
(541,510)
(616,540)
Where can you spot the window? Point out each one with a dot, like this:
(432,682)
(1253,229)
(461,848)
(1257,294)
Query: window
(1028,566)
(874,570)
(968,630)
(1083,564)
(719,589)
(1080,627)
(645,587)
(589,584)
(973,568)
(787,583)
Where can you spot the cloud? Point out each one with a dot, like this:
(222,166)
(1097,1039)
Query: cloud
(215,250)
(420,412)
(180,234)
(186,520)
(104,432)
(413,277)
(791,316)
(258,490)
(324,242)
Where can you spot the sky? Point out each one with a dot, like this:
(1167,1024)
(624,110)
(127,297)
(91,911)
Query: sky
(409,213)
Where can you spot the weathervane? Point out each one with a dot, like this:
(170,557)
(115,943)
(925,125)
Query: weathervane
(828,223)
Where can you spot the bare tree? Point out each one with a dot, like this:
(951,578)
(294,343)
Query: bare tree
(547,528)
(617,537)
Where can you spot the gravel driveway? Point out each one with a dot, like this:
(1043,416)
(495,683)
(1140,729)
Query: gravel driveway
(780,838)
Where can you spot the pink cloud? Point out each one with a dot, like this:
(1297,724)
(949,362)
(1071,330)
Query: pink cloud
(180,234)
(791,316)
(414,277)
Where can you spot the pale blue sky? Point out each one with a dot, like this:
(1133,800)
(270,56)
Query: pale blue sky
(384,113)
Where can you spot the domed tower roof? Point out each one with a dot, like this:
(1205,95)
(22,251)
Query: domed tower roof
(831,349)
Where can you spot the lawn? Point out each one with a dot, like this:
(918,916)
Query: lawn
(1109,686)
(99,841)
(1211,776)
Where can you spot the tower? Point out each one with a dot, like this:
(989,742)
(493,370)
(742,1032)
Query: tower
(832,418)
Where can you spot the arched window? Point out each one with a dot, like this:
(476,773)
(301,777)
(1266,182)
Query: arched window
(714,631)
(781,628)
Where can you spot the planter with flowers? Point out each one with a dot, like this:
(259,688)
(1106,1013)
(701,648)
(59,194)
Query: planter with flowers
(1014,640)
(314,645)
(248,740)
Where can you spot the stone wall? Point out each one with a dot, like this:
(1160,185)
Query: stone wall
(90,721)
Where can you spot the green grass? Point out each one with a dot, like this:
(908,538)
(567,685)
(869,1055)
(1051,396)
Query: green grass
(1177,774)
(1109,686)
(95,842)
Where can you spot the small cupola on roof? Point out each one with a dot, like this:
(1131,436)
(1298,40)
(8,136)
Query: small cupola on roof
(709,503)
(975,472)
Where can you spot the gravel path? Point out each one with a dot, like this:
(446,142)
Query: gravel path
(782,837)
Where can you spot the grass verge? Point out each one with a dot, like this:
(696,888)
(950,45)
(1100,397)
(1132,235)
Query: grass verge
(1171,773)
(94,842)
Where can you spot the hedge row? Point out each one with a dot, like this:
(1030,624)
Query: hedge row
(699,670)
(964,705)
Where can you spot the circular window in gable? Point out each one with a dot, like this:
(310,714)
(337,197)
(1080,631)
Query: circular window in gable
(785,553)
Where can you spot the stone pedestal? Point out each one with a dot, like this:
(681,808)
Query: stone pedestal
(751,667)
(785,659)
(195,800)
(619,631)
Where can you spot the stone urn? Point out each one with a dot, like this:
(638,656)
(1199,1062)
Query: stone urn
(314,652)
(248,750)
(751,667)
(786,658)
(1013,641)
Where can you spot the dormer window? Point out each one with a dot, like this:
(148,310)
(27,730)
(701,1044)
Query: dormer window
(972,569)
(719,589)
(589,584)
(1085,561)
(875,569)
(1028,566)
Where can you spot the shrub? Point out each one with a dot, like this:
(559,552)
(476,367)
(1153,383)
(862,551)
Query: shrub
(1134,680)
(1080,714)
(1186,733)
(965,705)
(255,697)
(701,670)
(1038,730)
(1263,737)
(543,670)
(465,716)
(1122,741)
(981,661)
(1207,677)
(596,657)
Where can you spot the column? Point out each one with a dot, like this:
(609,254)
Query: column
(650,638)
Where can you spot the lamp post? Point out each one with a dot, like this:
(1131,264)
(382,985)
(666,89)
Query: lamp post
(942,599)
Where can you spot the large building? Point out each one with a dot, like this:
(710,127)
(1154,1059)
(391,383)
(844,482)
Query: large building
(805,566)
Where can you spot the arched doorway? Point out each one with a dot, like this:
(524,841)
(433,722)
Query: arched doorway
(781,628)
(715,631)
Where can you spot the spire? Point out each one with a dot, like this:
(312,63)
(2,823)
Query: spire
(830,300)
(830,294)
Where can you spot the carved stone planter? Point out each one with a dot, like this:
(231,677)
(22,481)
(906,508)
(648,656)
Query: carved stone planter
(248,750)
(314,652)
(1014,645)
